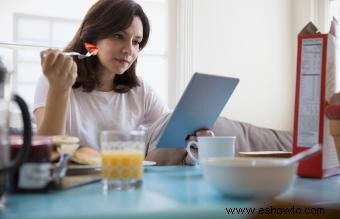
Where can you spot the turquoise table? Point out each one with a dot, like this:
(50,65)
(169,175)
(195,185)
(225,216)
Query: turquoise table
(168,192)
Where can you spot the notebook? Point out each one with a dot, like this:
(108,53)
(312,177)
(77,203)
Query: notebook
(200,105)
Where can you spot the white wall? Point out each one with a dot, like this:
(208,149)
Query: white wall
(251,40)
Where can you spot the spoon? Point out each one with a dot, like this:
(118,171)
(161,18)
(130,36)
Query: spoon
(80,56)
(303,155)
(66,151)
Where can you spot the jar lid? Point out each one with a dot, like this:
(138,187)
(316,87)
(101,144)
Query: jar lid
(16,140)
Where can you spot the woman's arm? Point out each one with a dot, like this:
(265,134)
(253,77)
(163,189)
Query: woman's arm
(61,72)
(51,119)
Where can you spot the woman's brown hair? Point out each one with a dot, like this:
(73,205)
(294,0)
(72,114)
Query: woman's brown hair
(105,18)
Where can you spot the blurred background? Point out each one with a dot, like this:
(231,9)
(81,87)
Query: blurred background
(254,40)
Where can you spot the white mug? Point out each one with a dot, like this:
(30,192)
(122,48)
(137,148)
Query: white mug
(212,146)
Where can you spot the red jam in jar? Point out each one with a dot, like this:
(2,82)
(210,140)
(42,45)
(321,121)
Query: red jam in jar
(34,175)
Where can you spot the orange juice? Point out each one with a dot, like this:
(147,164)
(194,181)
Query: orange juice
(122,165)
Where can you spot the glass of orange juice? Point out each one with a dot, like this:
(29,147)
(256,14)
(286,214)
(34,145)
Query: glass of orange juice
(122,155)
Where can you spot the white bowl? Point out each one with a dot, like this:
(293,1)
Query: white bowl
(249,177)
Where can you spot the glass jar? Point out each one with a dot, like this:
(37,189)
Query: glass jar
(35,174)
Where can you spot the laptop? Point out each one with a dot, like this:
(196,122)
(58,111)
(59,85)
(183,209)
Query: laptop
(200,105)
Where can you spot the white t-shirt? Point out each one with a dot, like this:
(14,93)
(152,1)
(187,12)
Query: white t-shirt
(90,112)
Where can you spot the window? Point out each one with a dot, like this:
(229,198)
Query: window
(323,13)
(32,27)
(334,9)
(33,30)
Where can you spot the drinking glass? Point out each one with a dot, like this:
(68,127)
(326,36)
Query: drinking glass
(122,155)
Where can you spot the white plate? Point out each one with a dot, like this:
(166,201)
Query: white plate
(83,167)
(149,163)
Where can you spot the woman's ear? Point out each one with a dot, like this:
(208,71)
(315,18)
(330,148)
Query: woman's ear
(91,48)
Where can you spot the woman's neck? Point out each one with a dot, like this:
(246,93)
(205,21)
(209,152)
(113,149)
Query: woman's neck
(106,81)
(105,88)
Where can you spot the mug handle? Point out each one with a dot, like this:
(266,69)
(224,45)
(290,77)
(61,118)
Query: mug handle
(27,136)
(190,143)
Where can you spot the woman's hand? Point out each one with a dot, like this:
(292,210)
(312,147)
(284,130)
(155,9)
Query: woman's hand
(193,148)
(335,99)
(60,70)
(61,73)
(172,156)
(202,132)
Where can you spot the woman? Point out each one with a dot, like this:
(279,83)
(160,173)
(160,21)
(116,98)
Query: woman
(80,97)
